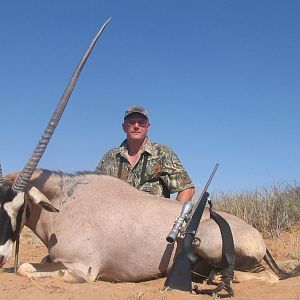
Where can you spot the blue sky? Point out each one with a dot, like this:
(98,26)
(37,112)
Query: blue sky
(220,79)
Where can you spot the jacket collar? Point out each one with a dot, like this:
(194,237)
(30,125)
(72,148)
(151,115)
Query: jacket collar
(148,147)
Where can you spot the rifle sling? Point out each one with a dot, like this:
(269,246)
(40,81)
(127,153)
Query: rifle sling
(228,252)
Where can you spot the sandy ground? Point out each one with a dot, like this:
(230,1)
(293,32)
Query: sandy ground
(286,251)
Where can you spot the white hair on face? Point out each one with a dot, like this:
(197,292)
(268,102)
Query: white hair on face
(6,250)
(12,208)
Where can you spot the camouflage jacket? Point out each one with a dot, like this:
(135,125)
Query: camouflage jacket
(158,170)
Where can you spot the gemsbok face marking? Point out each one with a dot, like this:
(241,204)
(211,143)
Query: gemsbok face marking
(11,212)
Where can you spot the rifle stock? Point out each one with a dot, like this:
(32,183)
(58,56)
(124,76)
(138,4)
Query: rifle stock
(180,276)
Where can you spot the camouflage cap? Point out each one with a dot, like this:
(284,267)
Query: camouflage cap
(136,109)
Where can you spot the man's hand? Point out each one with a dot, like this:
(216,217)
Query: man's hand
(185,195)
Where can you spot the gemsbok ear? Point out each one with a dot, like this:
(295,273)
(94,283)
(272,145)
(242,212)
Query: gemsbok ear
(37,197)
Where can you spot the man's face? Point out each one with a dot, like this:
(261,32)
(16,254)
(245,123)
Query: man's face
(136,126)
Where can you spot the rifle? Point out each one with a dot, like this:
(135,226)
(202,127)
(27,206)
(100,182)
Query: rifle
(180,276)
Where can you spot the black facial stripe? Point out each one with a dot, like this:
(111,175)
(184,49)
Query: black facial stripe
(27,212)
(5,227)
(6,231)
(6,194)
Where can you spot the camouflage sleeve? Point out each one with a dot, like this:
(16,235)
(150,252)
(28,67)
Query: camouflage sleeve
(106,164)
(175,176)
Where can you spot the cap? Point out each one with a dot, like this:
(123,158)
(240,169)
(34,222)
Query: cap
(136,109)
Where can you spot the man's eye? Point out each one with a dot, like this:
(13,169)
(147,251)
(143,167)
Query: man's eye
(140,123)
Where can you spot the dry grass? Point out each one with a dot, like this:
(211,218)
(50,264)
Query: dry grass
(270,210)
(294,253)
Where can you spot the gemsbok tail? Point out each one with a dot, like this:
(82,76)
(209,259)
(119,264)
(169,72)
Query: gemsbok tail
(277,270)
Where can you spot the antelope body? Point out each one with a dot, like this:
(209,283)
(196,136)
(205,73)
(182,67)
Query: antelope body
(107,229)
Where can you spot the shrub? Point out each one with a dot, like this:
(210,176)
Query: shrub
(270,210)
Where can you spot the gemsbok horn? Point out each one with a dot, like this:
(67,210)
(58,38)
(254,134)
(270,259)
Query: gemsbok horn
(1,176)
(23,179)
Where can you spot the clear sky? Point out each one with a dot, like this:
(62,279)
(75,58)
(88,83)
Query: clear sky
(220,80)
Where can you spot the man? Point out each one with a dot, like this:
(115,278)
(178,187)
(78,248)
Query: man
(148,166)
